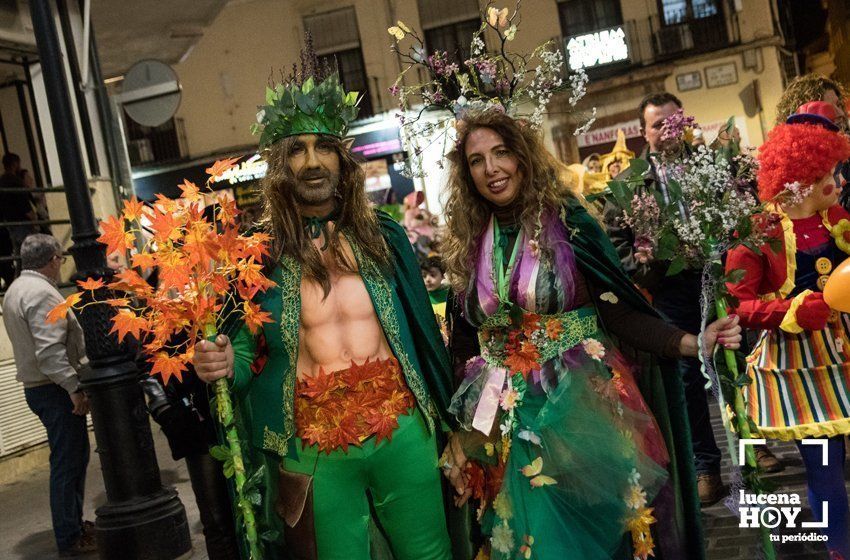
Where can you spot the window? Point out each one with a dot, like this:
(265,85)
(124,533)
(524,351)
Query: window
(336,39)
(454,38)
(586,16)
(154,144)
(680,11)
(352,74)
(449,25)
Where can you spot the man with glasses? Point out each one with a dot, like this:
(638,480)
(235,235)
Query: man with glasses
(48,357)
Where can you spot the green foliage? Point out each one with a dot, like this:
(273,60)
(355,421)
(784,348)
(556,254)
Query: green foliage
(220,452)
(621,193)
(290,109)
(677,265)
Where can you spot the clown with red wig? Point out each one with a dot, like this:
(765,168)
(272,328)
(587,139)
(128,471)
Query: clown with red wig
(800,366)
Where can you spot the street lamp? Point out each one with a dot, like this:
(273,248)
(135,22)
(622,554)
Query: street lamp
(142,520)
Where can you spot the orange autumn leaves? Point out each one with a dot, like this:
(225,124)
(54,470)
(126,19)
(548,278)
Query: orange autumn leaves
(202,264)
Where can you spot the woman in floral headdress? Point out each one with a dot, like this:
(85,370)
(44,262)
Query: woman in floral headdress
(573,450)
(800,367)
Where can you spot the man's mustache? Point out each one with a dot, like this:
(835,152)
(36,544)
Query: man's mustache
(312,175)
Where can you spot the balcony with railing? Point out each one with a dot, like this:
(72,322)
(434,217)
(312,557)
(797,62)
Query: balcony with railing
(658,38)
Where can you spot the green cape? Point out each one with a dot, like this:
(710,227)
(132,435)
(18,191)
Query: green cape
(659,381)
(264,402)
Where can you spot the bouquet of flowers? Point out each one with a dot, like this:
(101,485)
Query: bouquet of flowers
(706,206)
(208,275)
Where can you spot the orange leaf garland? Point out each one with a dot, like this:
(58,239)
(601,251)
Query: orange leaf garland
(61,310)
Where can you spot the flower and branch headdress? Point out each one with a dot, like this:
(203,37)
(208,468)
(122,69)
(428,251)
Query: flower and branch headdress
(501,80)
(311,100)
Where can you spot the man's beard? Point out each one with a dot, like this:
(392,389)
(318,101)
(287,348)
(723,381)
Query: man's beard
(315,194)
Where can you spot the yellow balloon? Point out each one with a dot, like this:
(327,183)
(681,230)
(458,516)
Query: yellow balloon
(836,293)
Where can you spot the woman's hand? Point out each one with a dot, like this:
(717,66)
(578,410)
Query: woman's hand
(453,462)
(725,332)
(212,361)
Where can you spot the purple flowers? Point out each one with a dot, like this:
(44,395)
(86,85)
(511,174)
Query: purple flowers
(674,126)
(486,69)
(644,250)
(440,65)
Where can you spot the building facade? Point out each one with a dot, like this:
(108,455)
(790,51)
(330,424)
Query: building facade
(723,58)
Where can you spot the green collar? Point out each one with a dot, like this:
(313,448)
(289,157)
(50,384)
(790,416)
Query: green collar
(315,226)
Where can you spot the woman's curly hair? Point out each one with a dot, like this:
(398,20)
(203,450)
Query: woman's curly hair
(802,89)
(546,184)
(802,153)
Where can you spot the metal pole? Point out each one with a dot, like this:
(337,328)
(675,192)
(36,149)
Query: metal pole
(141,520)
(79,93)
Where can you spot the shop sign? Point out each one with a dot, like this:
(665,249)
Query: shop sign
(595,49)
(377,143)
(609,134)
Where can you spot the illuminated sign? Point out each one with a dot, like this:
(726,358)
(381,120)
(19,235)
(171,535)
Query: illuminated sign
(251,169)
(596,49)
(379,148)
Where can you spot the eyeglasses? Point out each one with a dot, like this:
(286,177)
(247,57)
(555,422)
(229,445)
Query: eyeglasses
(62,258)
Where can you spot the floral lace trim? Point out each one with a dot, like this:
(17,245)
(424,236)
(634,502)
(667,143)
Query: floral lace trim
(290,317)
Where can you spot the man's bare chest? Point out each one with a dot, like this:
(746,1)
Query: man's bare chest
(347,302)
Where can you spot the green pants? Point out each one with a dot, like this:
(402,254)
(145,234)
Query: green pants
(404,481)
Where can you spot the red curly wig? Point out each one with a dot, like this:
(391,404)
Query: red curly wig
(804,153)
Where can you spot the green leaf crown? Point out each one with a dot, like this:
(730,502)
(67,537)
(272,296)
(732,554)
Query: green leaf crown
(311,101)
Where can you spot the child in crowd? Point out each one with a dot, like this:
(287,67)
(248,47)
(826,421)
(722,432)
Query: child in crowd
(433,274)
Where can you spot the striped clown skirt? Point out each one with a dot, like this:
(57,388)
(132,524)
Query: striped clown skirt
(800,383)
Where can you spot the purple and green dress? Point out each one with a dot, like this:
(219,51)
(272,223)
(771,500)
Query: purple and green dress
(574,459)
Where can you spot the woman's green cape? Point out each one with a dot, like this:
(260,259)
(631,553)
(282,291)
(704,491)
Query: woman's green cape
(659,382)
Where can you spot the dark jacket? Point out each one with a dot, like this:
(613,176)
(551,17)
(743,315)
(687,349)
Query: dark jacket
(676,296)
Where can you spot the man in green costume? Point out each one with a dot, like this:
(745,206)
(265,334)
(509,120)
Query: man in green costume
(342,396)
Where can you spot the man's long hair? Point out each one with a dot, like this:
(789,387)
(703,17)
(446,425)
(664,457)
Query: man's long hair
(282,217)
(546,185)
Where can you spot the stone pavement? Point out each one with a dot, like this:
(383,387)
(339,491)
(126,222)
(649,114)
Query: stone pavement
(25,532)
(25,529)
